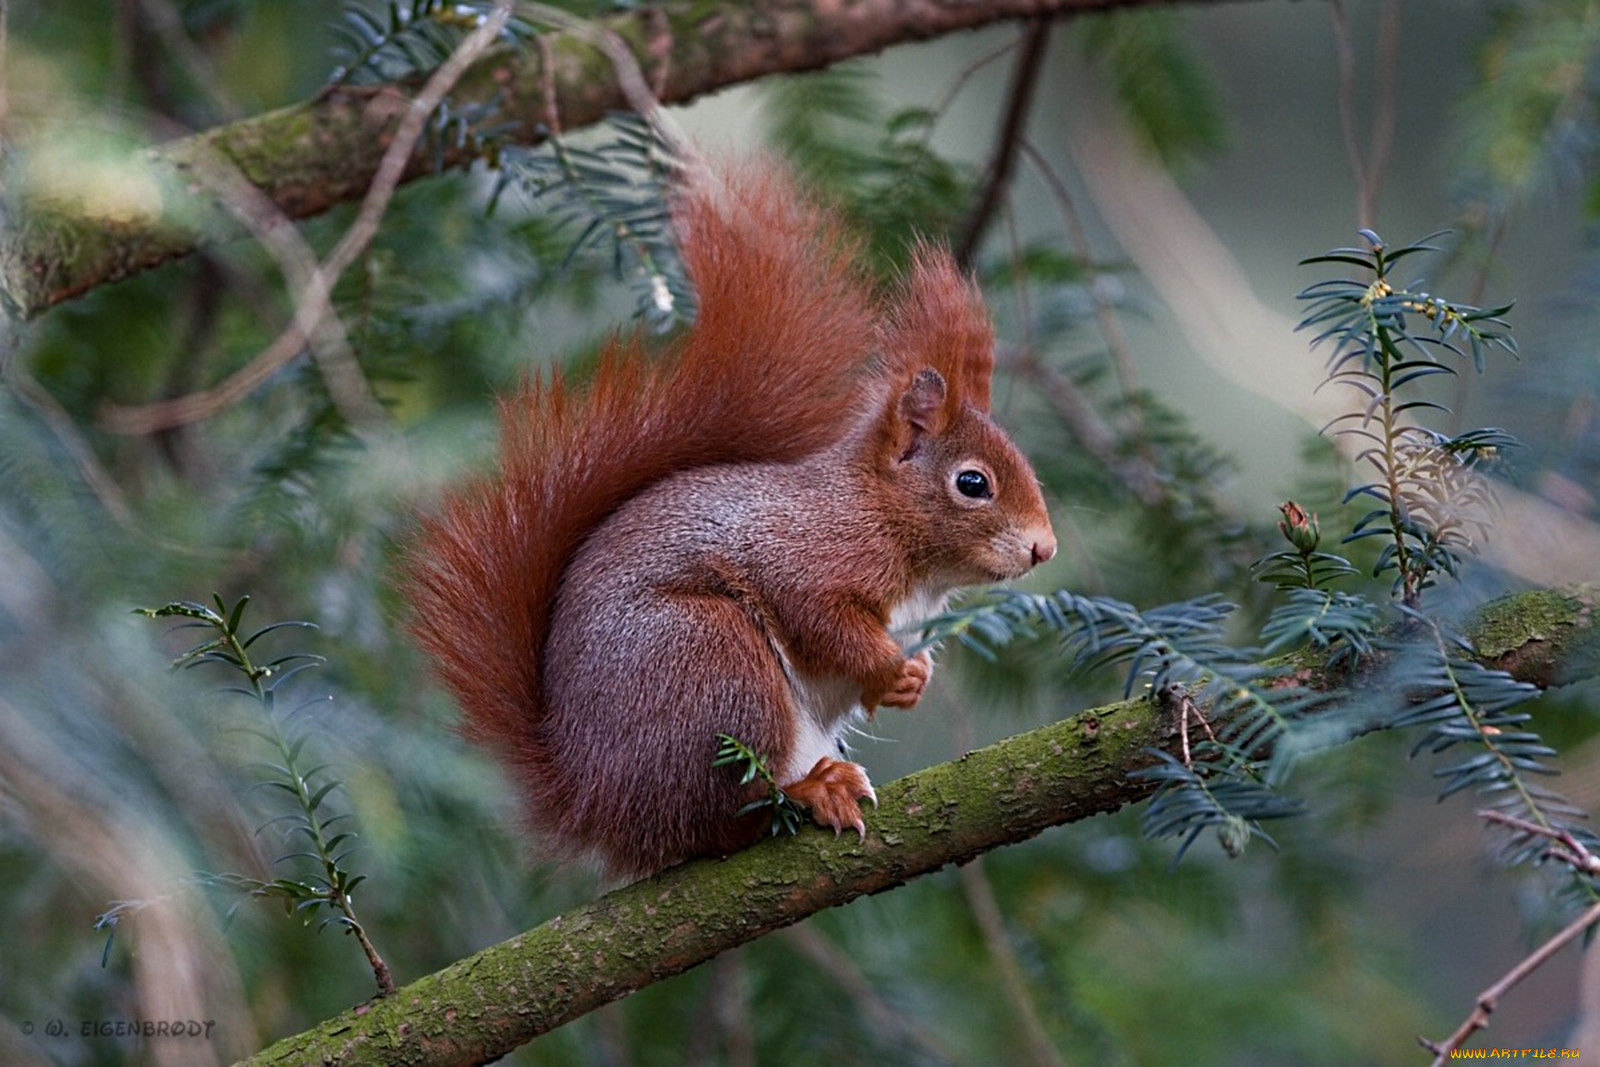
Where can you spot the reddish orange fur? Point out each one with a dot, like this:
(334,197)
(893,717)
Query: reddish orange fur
(770,372)
(719,540)
(939,321)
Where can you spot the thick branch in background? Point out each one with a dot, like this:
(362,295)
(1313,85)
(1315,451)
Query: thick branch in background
(480,1008)
(1547,637)
(311,156)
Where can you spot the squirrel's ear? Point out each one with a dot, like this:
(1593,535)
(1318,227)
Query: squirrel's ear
(922,409)
(938,320)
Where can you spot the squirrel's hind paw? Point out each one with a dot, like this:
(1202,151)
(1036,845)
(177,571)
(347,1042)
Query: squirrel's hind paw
(833,790)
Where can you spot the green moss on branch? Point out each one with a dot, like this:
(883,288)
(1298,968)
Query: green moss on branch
(487,1004)
(1542,636)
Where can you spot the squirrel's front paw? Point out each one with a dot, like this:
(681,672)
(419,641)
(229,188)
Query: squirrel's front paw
(909,684)
(833,789)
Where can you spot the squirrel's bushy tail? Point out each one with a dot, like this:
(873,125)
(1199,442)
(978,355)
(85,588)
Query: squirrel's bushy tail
(771,370)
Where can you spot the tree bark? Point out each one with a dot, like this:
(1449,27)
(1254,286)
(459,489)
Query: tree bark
(308,157)
(481,1007)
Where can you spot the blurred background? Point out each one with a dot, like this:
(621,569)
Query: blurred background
(1175,165)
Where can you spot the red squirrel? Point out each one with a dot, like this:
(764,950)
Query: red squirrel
(722,539)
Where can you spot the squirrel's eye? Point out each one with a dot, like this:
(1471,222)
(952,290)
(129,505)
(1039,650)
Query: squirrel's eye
(973,484)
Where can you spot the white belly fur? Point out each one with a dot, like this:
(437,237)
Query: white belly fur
(829,704)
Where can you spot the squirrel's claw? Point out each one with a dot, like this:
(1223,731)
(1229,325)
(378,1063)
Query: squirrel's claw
(833,790)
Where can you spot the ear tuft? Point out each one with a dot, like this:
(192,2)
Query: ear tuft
(938,320)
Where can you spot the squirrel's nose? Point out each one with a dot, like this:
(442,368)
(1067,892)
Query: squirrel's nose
(1043,549)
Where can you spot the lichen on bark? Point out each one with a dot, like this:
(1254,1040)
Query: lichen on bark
(1543,636)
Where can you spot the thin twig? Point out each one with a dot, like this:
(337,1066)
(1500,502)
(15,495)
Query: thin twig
(547,85)
(316,301)
(336,894)
(1024,83)
(1177,699)
(893,1027)
(94,475)
(1387,64)
(1462,385)
(631,78)
(10,327)
(1489,999)
(991,923)
(1347,108)
(1078,415)
(50,411)
(1566,848)
(1019,283)
(5,40)
(1105,312)
(611,1045)
(997,942)
(966,73)
(329,342)
(166,22)
(658,45)
(730,1009)
(645,99)
(1077,233)
(323,333)
(1368,169)
(959,80)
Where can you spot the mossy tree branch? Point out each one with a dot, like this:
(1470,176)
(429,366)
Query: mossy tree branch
(311,156)
(483,1006)
(1547,637)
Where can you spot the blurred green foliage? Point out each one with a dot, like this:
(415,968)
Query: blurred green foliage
(117,783)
